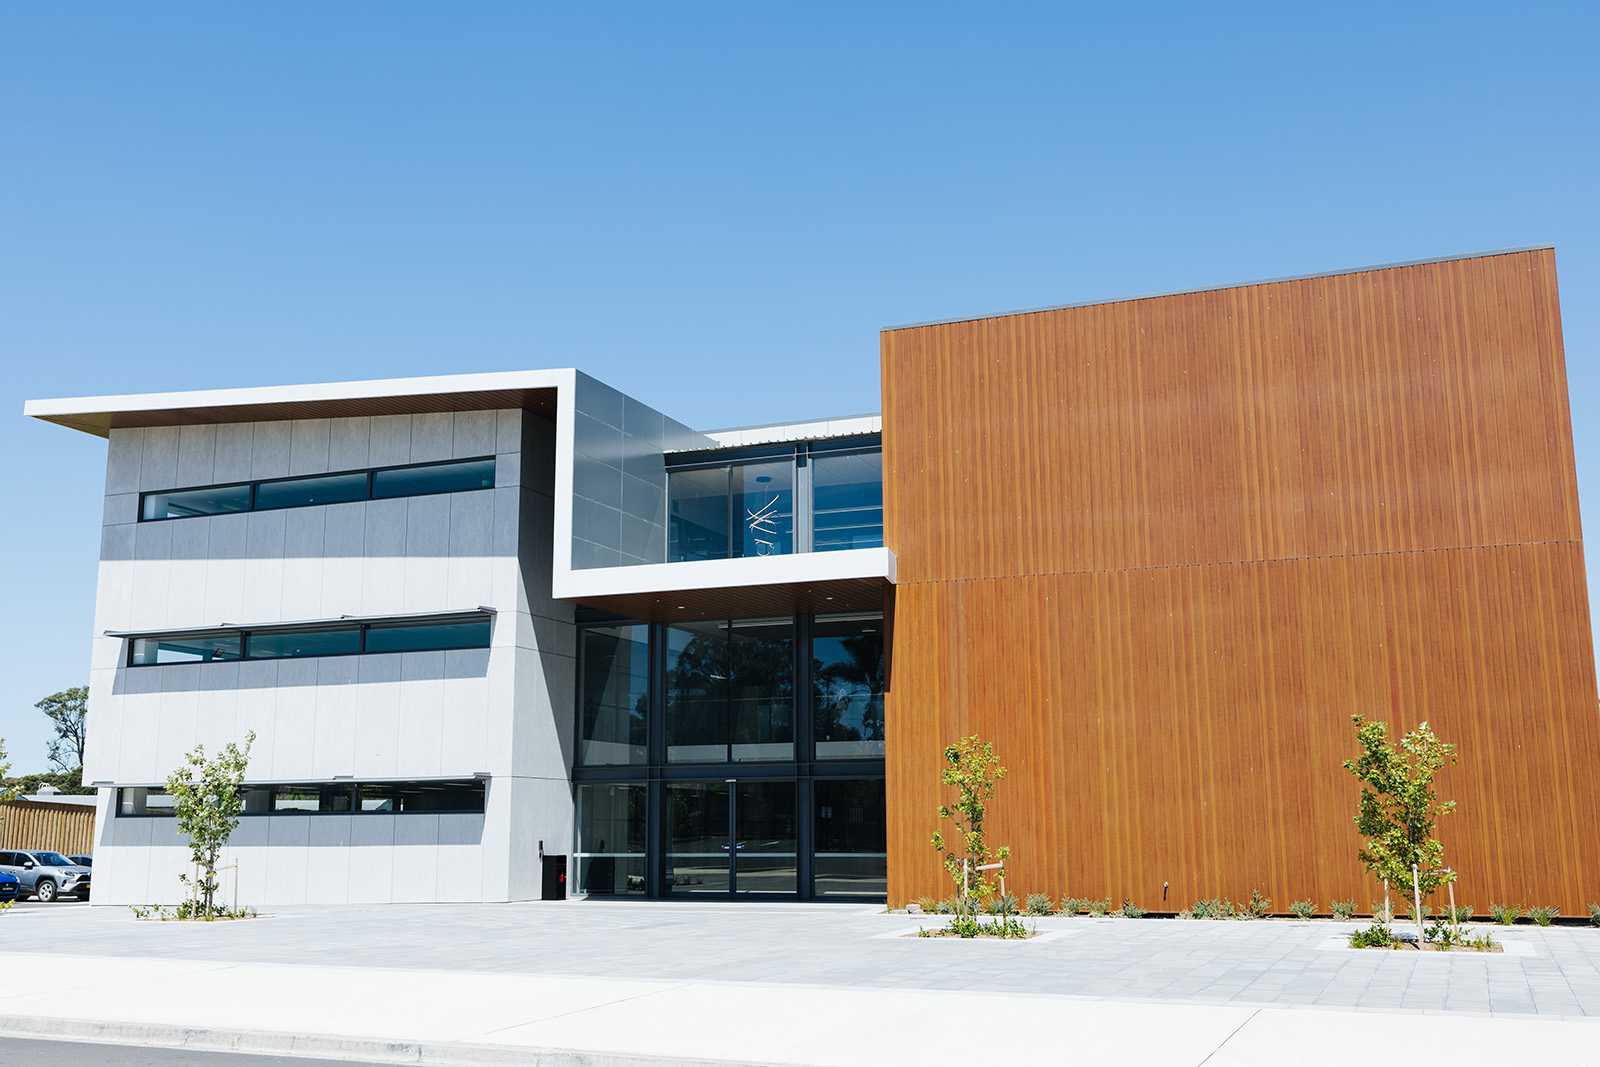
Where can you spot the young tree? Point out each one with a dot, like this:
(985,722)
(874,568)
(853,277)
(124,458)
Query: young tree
(1399,805)
(68,712)
(973,769)
(207,805)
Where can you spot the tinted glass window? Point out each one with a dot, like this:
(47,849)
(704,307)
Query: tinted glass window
(182,503)
(847,501)
(697,506)
(422,797)
(142,801)
(763,501)
(52,859)
(304,643)
(730,691)
(847,685)
(611,839)
(437,478)
(304,492)
(616,694)
(761,689)
(201,648)
(311,799)
(422,637)
(851,844)
(697,693)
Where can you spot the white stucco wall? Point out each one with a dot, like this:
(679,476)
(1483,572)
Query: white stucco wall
(506,710)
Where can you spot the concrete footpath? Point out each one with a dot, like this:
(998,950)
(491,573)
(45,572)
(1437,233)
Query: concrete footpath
(456,1017)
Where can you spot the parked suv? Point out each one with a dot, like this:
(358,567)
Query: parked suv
(46,875)
(10,887)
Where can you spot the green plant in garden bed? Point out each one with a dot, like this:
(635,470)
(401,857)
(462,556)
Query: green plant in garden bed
(1211,908)
(1543,916)
(1098,907)
(1130,910)
(1003,904)
(1342,909)
(1409,907)
(1259,906)
(1006,928)
(927,905)
(189,911)
(1375,936)
(1448,937)
(1594,914)
(1302,909)
(1463,913)
(1505,914)
(1039,904)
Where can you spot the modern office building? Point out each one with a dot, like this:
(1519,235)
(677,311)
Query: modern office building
(1158,550)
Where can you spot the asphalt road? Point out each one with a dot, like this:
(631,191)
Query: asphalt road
(75,1053)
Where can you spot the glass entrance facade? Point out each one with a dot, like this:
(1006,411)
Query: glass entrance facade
(732,758)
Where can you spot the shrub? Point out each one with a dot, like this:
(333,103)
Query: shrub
(1375,936)
(1302,909)
(926,904)
(1594,914)
(1003,904)
(1448,937)
(1343,909)
(1542,916)
(1098,907)
(1130,910)
(1382,912)
(1427,912)
(1259,906)
(1212,908)
(1039,904)
(946,906)
(1071,906)
(1186,914)
(1505,914)
(1462,914)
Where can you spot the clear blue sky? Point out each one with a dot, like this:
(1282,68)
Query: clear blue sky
(714,207)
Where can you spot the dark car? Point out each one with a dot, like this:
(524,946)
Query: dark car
(82,861)
(45,874)
(10,887)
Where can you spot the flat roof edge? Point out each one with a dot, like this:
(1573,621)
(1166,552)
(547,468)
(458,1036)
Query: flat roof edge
(1222,287)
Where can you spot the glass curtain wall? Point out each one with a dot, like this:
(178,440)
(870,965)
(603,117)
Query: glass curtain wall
(810,499)
(693,778)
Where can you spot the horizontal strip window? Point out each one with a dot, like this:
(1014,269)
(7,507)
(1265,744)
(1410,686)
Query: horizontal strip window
(453,797)
(302,642)
(378,483)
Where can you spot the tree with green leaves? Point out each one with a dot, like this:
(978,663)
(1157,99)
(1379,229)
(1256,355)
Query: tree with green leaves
(207,804)
(8,789)
(970,766)
(68,712)
(1399,805)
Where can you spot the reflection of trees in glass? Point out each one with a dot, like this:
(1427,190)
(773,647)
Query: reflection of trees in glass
(616,690)
(750,673)
(849,690)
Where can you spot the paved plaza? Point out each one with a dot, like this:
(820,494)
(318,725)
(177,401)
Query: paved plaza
(1259,963)
(725,983)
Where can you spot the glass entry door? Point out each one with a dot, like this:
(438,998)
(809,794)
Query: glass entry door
(731,838)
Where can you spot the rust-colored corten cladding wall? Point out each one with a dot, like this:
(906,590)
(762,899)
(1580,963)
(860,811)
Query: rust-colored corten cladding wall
(1160,550)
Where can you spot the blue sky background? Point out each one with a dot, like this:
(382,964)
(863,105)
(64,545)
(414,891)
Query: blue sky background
(714,207)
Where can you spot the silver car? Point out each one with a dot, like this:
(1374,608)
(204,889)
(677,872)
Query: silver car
(46,875)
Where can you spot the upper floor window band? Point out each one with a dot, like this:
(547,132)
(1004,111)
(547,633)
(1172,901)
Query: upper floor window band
(378,483)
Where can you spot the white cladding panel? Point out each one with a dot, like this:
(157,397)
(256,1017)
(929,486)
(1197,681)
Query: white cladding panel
(505,711)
